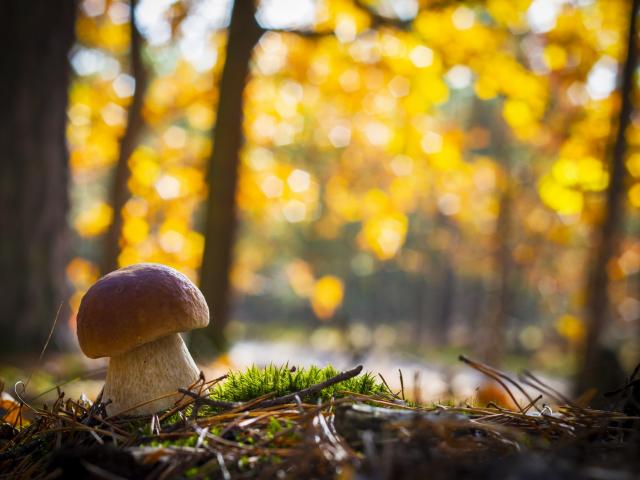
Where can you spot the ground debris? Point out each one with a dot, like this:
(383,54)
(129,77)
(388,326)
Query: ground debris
(305,433)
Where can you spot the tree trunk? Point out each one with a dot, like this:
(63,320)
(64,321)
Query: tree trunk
(444,287)
(493,329)
(446,300)
(128,143)
(36,38)
(491,345)
(592,373)
(220,227)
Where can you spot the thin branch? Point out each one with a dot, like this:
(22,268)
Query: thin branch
(341,377)
(306,33)
(496,375)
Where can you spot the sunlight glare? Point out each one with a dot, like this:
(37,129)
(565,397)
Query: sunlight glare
(286,14)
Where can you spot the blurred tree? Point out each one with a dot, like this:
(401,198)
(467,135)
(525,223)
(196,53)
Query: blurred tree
(443,269)
(128,142)
(36,38)
(221,222)
(220,227)
(598,369)
(495,321)
(357,143)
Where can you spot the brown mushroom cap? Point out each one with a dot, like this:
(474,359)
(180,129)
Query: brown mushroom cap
(137,305)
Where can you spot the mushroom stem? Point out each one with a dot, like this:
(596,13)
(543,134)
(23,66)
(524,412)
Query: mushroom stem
(146,373)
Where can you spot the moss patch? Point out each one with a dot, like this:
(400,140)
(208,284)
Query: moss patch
(283,380)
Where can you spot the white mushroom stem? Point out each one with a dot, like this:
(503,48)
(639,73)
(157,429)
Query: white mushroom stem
(146,373)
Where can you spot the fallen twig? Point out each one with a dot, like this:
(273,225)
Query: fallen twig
(306,392)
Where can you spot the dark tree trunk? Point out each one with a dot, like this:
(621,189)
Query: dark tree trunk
(420,295)
(128,143)
(220,227)
(445,286)
(445,302)
(593,372)
(36,37)
(493,329)
(491,344)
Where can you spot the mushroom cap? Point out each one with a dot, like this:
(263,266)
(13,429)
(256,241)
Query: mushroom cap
(136,305)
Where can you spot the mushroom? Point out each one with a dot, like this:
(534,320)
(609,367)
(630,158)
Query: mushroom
(134,315)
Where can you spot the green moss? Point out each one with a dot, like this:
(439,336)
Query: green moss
(255,382)
(173,419)
(274,426)
(192,472)
(176,442)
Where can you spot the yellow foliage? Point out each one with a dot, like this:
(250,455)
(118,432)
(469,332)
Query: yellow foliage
(633,164)
(82,273)
(404,192)
(429,88)
(327,296)
(342,17)
(301,279)
(555,56)
(384,234)
(486,87)
(538,220)
(634,195)
(517,113)
(341,200)
(509,12)
(94,221)
(200,116)
(193,249)
(375,202)
(563,200)
(171,241)
(361,129)
(570,327)
(144,167)
(135,207)
(587,173)
(449,156)
(135,230)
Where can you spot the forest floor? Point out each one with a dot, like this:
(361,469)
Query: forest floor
(285,422)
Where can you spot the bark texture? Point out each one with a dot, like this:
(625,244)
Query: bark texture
(220,227)
(36,38)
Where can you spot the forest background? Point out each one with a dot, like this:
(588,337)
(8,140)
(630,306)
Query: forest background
(417,175)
